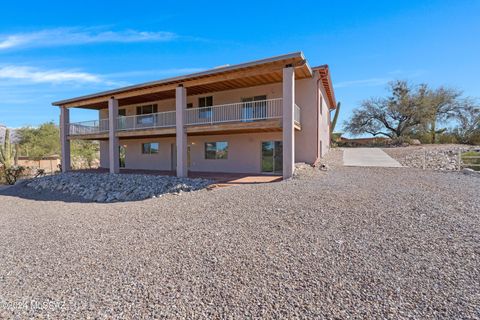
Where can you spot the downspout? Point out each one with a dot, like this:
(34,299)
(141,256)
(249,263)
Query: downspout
(317,160)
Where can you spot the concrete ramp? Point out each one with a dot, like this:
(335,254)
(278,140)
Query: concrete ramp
(368,157)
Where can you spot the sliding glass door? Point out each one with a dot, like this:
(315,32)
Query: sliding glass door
(272,156)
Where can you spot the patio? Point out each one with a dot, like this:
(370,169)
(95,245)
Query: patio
(220,178)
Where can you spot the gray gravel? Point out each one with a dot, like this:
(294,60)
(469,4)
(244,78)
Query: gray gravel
(345,243)
(104,187)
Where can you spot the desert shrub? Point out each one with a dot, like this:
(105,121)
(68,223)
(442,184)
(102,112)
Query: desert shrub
(12,174)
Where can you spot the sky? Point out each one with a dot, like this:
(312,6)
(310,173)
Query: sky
(54,50)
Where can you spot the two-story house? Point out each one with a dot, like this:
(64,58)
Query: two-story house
(255,117)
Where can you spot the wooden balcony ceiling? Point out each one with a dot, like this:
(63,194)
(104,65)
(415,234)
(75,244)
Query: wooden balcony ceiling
(249,74)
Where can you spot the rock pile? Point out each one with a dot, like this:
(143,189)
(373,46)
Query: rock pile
(104,187)
(435,159)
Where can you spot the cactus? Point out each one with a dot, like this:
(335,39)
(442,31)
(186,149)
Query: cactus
(7,152)
(335,118)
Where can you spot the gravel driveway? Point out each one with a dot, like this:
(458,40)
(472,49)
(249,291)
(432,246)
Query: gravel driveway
(349,242)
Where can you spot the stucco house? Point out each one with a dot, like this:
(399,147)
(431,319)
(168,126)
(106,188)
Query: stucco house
(255,117)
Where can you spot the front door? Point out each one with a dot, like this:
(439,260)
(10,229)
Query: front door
(272,157)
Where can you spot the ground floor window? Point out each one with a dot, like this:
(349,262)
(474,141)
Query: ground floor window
(272,156)
(150,148)
(216,150)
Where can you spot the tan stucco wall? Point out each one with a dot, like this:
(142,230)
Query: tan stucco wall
(244,153)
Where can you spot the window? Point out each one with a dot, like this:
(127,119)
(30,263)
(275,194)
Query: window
(150,148)
(216,150)
(189,105)
(144,114)
(122,112)
(204,103)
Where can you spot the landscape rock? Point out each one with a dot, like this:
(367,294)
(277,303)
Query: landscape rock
(104,187)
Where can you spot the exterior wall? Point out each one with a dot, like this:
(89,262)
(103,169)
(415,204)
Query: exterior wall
(315,121)
(134,158)
(244,153)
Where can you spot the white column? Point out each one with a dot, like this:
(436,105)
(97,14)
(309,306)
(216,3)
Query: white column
(64,142)
(181,106)
(287,123)
(112,137)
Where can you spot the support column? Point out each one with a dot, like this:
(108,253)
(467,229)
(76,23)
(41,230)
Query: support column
(64,142)
(114,157)
(287,123)
(181,106)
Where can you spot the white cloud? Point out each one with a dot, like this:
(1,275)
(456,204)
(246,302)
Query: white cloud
(35,75)
(79,36)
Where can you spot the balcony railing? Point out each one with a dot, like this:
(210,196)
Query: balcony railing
(89,127)
(235,112)
(147,121)
(296,114)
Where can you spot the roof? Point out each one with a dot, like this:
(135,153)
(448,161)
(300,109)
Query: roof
(324,72)
(247,74)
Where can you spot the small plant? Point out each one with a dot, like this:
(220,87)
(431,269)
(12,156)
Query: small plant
(13,173)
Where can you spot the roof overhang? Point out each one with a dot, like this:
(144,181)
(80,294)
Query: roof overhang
(243,75)
(324,73)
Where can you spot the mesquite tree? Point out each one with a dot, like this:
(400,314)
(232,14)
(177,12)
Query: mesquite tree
(394,116)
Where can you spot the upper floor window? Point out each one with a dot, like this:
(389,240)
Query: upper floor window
(144,114)
(205,103)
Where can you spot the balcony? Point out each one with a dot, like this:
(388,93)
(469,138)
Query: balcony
(235,112)
(254,115)
(88,127)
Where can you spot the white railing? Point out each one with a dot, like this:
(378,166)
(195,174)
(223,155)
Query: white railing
(147,121)
(296,114)
(88,127)
(235,112)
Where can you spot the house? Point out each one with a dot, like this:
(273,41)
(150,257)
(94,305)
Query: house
(255,117)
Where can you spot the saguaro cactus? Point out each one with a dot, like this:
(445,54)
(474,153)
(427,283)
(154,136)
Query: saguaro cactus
(7,152)
(335,118)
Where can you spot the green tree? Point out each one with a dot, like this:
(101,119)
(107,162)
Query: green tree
(37,143)
(85,152)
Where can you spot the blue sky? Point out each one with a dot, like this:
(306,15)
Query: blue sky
(51,50)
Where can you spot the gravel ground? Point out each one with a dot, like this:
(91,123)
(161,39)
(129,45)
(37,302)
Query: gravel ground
(345,243)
